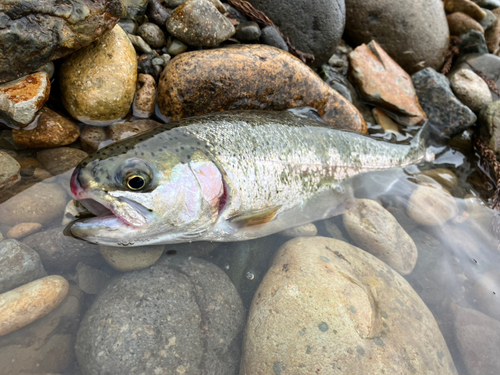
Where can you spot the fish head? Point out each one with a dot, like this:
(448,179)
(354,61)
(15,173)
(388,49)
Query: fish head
(147,200)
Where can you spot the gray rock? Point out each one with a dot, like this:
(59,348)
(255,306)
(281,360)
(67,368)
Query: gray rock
(133,9)
(48,68)
(179,316)
(176,47)
(129,26)
(414,33)
(9,171)
(89,279)
(235,14)
(19,265)
(472,42)
(199,23)
(139,44)
(271,36)
(125,259)
(470,89)
(247,31)
(49,30)
(489,118)
(488,20)
(447,116)
(488,4)
(152,35)
(158,13)
(312,26)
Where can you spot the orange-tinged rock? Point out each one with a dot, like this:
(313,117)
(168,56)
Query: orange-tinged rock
(249,77)
(382,82)
(23,229)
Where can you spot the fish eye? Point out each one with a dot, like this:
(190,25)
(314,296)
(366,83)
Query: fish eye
(135,182)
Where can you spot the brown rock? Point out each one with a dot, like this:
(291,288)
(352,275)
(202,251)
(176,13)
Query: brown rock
(9,171)
(465,6)
(52,130)
(22,306)
(470,89)
(385,121)
(122,130)
(92,137)
(23,230)
(145,96)
(98,81)
(460,23)
(61,159)
(383,83)
(20,100)
(130,259)
(492,34)
(261,77)
(443,176)
(429,205)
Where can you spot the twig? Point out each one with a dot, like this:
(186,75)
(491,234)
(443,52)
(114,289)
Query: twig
(453,51)
(260,17)
(491,84)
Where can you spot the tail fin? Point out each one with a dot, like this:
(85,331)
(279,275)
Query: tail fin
(420,142)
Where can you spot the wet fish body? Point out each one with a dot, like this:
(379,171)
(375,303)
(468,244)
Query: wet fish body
(229,176)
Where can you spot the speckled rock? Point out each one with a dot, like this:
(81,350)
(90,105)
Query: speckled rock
(414,33)
(9,171)
(49,30)
(459,23)
(185,319)
(28,303)
(447,115)
(60,252)
(91,138)
(312,26)
(429,205)
(145,96)
(20,100)
(133,8)
(199,23)
(40,203)
(470,89)
(383,83)
(61,159)
(306,230)
(465,6)
(125,259)
(366,318)
(152,34)
(46,345)
(23,230)
(492,34)
(262,77)
(19,265)
(122,130)
(52,130)
(98,81)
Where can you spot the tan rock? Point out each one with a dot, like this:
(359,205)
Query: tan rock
(41,174)
(492,34)
(23,229)
(306,230)
(92,137)
(443,176)
(460,23)
(123,130)
(430,205)
(327,307)
(375,230)
(471,89)
(465,6)
(52,130)
(486,293)
(130,259)
(195,83)
(20,100)
(145,96)
(385,121)
(61,159)
(28,303)
(98,81)
(9,171)
(384,83)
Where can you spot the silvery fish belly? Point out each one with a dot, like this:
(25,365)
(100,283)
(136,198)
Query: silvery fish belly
(229,176)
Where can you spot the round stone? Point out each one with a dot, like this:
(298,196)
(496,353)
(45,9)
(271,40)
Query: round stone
(61,159)
(125,259)
(9,171)
(430,205)
(23,229)
(152,35)
(306,230)
(470,89)
(145,96)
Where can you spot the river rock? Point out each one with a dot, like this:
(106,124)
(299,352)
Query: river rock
(385,122)
(459,23)
(442,176)
(180,316)
(46,345)
(98,81)
(272,37)
(472,42)
(306,230)
(50,30)
(486,294)
(61,159)
(140,44)
(126,259)
(383,83)
(60,252)
(23,230)
(247,31)
(19,265)
(429,205)
(492,34)
(375,230)
(414,33)
(40,203)
(89,279)
(488,4)
(28,303)
(489,20)
(447,115)
(157,12)
(470,89)
(152,35)
(133,8)
(20,100)
(489,118)
(199,23)
(365,317)
(465,6)
(262,77)
(9,171)
(145,96)
(123,130)
(52,130)
(478,340)
(91,138)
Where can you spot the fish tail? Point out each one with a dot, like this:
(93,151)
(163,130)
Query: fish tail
(419,144)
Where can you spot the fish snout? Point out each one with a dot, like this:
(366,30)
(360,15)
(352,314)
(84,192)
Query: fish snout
(76,188)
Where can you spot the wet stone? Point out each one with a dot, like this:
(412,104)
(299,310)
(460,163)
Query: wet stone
(447,115)
(306,230)
(247,31)
(157,12)
(52,130)
(199,23)
(490,119)
(91,137)
(139,44)
(19,265)
(488,4)
(61,159)
(470,89)
(133,9)
(152,35)
(50,30)
(271,36)
(9,171)
(129,26)
(20,100)
(186,318)
(177,47)
(387,124)
(460,23)
(125,259)
(465,6)
(446,178)
(89,279)
(486,294)
(145,96)
(23,230)
(429,205)
(123,130)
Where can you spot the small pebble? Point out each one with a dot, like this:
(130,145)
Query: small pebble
(443,176)
(247,31)
(176,47)
(145,96)
(23,229)
(471,89)
(460,23)
(152,35)
(140,44)
(126,259)
(306,230)
(271,37)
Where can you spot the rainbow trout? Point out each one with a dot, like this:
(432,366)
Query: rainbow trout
(228,176)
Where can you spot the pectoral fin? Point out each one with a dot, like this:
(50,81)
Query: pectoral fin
(249,219)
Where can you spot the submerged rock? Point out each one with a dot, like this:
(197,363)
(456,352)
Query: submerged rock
(9,171)
(145,96)
(23,229)
(130,259)
(430,205)
(61,159)
(262,77)
(328,307)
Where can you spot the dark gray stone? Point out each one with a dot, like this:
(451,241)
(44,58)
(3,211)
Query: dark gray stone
(152,35)
(145,64)
(312,26)
(488,20)
(472,42)
(447,116)
(271,36)
(488,4)
(89,279)
(235,14)
(132,9)
(19,265)
(247,31)
(48,30)
(179,316)
(157,12)
(129,26)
